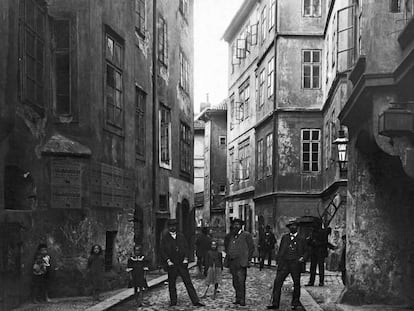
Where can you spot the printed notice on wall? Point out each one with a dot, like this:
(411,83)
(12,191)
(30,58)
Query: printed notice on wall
(66,187)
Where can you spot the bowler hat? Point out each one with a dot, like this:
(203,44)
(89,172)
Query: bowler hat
(172,222)
(240,221)
(292,222)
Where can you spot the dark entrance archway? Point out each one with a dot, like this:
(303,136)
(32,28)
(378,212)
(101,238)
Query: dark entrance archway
(186,222)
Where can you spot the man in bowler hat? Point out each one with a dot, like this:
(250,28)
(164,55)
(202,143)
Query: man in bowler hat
(174,256)
(239,251)
(291,255)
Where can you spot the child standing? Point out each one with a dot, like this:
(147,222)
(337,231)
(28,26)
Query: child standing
(38,278)
(96,267)
(214,262)
(137,267)
(46,267)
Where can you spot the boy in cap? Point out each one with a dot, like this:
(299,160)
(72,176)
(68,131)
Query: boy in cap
(291,255)
(174,254)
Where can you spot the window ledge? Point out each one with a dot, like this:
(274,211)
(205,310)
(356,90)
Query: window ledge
(358,69)
(407,35)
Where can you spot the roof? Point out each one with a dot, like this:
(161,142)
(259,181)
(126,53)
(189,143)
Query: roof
(239,19)
(198,125)
(219,108)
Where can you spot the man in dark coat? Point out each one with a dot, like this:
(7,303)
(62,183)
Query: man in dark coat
(267,243)
(203,244)
(291,255)
(174,256)
(240,249)
(319,251)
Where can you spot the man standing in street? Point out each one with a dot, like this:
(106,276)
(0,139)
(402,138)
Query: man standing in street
(240,251)
(267,245)
(203,243)
(174,255)
(291,255)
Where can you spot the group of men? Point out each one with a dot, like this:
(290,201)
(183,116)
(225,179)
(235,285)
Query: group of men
(239,247)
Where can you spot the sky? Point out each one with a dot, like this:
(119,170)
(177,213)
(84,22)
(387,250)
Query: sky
(211,18)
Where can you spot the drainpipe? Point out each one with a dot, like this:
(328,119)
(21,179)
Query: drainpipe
(154,121)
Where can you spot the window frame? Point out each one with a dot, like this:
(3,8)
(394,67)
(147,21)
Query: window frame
(140,128)
(184,8)
(225,140)
(272,19)
(185,148)
(269,155)
(262,89)
(312,12)
(232,171)
(140,17)
(184,72)
(165,163)
(311,160)
(263,28)
(244,158)
(260,162)
(270,77)
(312,65)
(162,41)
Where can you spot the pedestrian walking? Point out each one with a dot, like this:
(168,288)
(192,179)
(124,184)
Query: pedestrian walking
(319,251)
(214,262)
(42,274)
(174,255)
(38,279)
(342,262)
(240,252)
(96,267)
(291,255)
(137,267)
(267,246)
(256,256)
(202,243)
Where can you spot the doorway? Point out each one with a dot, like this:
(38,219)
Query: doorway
(109,249)
(161,225)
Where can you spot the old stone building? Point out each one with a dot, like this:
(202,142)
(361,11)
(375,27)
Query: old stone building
(214,150)
(93,147)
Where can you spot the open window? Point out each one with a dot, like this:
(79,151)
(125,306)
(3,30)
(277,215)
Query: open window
(345,38)
(241,48)
(254,34)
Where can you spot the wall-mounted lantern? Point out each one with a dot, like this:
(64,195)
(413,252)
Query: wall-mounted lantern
(342,143)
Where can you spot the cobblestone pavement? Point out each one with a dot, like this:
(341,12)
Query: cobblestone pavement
(259,287)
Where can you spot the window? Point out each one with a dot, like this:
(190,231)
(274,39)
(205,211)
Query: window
(395,6)
(61,35)
(165,137)
(333,41)
(269,155)
(310,140)
(327,144)
(184,73)
(312,8)
(263,26)
(162,41)
(222,189)
(32,21)
(346,34)
(185,148)
(232,111)
(262,88)
(311,68)
(270,76)
(232,166)
(184,8)
(140,17)
(272,14)
(163,202)
(242,111)
(260,159)
(222,140)
(140,105)
(244,160)
(114,88)
(231,210)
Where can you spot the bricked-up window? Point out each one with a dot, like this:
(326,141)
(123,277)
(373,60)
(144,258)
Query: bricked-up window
(32,20)
(185,148)
(270,76)
(311,69)
(61,35)
(184,73)
(263,29)
(162,41)
(312,8)
(140,105)
(395,6)
(165,137)
(262,96)
(272,14)
(244,160)
(310,140)
(184,8)
(269,155)
(260,159)
(114,87)
(140,17)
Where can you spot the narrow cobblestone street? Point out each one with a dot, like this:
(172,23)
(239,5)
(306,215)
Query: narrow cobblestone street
(259,286)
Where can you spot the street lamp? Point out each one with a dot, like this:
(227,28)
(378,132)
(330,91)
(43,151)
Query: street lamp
(341,142)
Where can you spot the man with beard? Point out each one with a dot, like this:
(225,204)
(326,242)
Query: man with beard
(240,249)
(174,254)
(291,255)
